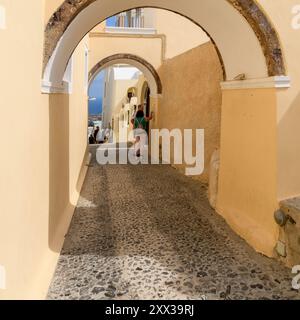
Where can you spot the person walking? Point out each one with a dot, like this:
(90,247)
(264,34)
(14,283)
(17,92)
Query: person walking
(100,136)
(136,109)
(96,131)
(140,134)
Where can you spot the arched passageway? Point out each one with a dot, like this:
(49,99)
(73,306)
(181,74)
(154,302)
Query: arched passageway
(259,163)
(120,114)
(252,59)
(254,51)
(145,67)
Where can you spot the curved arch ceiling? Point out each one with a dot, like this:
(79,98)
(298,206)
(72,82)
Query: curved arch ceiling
(244,37)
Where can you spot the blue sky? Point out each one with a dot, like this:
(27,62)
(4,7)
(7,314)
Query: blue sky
(96,91)
(111,22)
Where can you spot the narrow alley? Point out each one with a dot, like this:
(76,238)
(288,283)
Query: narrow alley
(148,232)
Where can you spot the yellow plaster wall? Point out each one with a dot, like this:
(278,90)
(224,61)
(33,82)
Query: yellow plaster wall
(247,196)
(182,34)
(191,96)
(288,100)
(39,158)
(149,48)
(50,7)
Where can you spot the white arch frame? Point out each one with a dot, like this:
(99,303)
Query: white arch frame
(152,81)
(236,40)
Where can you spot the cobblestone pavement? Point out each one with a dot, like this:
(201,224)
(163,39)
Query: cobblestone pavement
(148,232)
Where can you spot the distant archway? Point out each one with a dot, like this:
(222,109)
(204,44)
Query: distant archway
(138,62)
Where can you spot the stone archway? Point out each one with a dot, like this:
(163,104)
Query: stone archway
(62,32)
(138,62)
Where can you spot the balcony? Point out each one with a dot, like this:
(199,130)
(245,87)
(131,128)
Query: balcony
(130,30)
(130,22)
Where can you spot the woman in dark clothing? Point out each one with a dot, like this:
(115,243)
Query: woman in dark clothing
(140,126)
(96,133)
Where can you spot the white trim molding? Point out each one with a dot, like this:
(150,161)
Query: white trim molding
(65,86)
(130,30)
(49,87)
(263,83)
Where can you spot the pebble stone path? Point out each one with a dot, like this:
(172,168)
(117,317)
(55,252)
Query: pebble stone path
(148,232)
